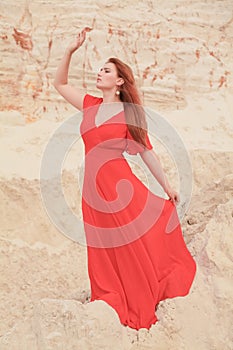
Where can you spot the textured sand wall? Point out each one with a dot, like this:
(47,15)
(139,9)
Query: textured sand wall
(176,48)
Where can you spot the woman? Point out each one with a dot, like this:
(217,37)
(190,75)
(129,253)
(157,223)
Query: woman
(135,248)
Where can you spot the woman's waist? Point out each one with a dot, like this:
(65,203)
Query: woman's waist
(104,153)
(115,163)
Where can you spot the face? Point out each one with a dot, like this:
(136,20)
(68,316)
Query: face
(107,77)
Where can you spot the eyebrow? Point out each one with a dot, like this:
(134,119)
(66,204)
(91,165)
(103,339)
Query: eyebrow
(105,68)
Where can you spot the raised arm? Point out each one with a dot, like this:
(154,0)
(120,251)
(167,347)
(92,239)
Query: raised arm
(152,160)
(71,94)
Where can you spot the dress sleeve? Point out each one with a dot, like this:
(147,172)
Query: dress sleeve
(134,147)
(90,100)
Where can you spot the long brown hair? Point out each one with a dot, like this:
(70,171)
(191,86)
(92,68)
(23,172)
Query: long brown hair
(134,112)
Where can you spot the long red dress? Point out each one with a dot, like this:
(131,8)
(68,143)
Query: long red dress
(136,252)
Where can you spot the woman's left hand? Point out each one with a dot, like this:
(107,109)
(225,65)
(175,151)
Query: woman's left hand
(173,195)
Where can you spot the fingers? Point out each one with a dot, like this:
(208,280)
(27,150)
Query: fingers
(177,199)
(174,198)
(81,36)
(85,30)
(88,29)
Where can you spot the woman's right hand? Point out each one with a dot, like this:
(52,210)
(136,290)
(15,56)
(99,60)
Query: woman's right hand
(74,45)
(173,195)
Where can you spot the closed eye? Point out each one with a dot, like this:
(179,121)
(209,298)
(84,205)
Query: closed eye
(107,70)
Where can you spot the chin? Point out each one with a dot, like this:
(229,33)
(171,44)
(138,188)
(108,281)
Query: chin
(98,87)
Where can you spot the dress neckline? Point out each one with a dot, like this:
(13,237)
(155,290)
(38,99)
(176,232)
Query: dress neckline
(107,120)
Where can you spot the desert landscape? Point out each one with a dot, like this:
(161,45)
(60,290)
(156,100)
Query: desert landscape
(181,54)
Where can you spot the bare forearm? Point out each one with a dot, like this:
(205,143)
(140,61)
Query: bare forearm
(153,162)
(61,75)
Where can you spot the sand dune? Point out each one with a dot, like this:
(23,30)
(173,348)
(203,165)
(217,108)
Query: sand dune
(45,287)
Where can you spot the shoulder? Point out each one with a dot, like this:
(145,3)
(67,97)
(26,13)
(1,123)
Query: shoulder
(90,100)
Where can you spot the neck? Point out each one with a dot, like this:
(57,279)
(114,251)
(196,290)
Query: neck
(110,96)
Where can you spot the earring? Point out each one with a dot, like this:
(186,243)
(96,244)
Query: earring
(117,92)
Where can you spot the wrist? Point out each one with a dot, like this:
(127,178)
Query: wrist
(167,188)
(68,52)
